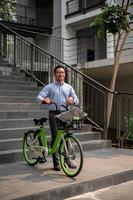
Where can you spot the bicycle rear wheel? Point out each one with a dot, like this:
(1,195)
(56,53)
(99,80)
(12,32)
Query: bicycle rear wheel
(29,142)
(71,156)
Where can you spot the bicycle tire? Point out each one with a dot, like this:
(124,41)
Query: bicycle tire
(28,153)
(74,157)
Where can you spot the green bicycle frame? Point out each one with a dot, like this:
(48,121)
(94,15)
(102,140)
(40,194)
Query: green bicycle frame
(42,135)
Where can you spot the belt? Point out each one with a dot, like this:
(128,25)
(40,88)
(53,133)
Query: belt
(56,111)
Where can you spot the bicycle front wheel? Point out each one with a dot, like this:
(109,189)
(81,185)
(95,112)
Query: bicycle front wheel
(71,156)
(29,142)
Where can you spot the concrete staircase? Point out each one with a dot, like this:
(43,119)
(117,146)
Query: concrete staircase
(18,108)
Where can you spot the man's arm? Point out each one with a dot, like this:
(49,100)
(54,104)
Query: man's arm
(73,99)
(42,97)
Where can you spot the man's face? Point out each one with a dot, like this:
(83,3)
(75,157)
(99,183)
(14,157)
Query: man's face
(60,75)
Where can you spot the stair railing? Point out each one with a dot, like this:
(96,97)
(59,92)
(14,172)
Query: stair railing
(40,64)
(124,118)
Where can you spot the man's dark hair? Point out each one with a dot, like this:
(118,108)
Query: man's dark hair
(57,67)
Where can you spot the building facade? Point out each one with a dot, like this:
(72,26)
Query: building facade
(83,49)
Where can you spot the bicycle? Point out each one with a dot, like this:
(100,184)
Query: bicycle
(35,145)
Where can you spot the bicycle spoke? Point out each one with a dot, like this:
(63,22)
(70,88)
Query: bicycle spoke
(71,156)
(29,151)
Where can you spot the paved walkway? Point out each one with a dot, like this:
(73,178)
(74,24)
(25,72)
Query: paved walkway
(102,168)
(123,191)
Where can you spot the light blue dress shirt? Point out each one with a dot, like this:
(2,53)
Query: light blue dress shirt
(59,93)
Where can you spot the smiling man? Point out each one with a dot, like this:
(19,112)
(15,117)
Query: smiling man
(61,93)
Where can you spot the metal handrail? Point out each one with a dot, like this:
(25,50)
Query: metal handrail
(123,93)
(124,116)
(33,77)
(76,70)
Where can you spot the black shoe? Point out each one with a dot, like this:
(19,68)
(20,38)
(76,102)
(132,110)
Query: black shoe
(70,164)
(57,168)
(42,160)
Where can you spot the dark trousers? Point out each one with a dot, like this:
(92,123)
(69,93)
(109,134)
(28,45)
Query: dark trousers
(54,130)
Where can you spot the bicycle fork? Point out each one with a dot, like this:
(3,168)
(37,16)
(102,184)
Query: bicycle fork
(68,148)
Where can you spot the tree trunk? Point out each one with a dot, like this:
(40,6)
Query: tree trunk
(110,95)
(120,43)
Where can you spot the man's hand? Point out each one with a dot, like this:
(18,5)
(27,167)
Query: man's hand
(70,101)
(46,101)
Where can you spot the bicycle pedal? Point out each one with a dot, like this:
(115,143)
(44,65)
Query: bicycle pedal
(42,160)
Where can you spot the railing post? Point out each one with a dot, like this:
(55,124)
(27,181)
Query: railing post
(51,72)
(75,81)
(14,51)
(67,8)
(0,43)
(105,128)
(5,44)
(80,5)
(120,139)
(84,6)
(32,70)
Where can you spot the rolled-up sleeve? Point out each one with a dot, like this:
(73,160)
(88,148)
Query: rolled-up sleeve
(43,94)
(73,94)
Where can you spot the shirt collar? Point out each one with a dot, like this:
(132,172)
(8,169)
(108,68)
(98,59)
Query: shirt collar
(58,83)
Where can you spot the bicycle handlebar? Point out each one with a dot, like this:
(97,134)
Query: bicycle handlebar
(59,108)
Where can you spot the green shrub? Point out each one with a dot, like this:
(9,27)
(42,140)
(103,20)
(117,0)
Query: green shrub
(129,127)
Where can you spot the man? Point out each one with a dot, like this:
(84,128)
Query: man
(61,93)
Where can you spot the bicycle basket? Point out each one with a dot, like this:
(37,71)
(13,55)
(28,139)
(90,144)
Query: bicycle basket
(71,119)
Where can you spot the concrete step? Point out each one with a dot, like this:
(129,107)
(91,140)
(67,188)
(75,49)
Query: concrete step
(17,73)
(4,70)
(8,152)
(18,93)
(16,123)
(17,82)
(7,65)
(14,114)
(18,87)
(11,143)
(14,132)
(7,69)
(85,136)
(95,144)
(4,62)
(17,99)
(12,77)
(22,106)
(85,127)
(10,71)
(10,156)
(11,133)
(101,169)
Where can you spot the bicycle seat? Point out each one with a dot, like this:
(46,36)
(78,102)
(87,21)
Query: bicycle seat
(40,121)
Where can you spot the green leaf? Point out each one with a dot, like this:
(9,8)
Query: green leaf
(112,19)
(8,10)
